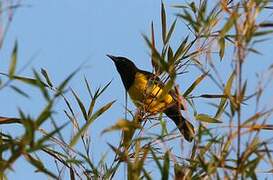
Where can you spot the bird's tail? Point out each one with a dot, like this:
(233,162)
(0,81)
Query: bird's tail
(184,126)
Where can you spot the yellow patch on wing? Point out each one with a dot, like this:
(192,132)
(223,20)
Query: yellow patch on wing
(145,95)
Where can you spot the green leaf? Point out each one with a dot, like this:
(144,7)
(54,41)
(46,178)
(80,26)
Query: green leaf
(193,7)
(93,101)
(104,88)
(206,118)
(213,96)
(30,81)
(242,95)
(194,84)
(263,33)
(46,76)
(141,161)
(170,31)
(170,56)
(91,107)
(69,107)
(164,130)
(181,49)
(159,62)
(227,90)
(222,44)
(13,62)
(89,122)
(146,175)
(180,6)
(42,86)
(153,55)
(171,67)
(45,114)
(18,90)
(88,87)
(39,165)
(30,128)
(94,98)
(163,22)
(254,51)
(34,82)
(121,155)
(166,166)
(186,16)
(80,103)
(64,83)
(157,161)
(266,24)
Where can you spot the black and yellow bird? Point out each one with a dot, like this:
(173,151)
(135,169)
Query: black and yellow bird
(145,88)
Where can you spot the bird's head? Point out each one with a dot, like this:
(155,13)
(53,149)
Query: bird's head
(126,68)
(122,63)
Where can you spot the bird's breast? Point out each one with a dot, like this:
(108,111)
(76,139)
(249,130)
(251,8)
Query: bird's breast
(146,95)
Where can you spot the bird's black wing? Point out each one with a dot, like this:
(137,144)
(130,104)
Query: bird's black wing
(155,79)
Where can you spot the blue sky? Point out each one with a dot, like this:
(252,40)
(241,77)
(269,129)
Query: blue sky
(62,34)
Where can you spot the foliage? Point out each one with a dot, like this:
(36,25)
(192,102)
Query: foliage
(239,150)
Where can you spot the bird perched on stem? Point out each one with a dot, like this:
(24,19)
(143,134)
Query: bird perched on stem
(146,91)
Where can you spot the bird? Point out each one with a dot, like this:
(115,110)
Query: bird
(145,88)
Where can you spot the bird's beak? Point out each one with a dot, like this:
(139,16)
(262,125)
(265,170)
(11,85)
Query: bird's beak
(113,58)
